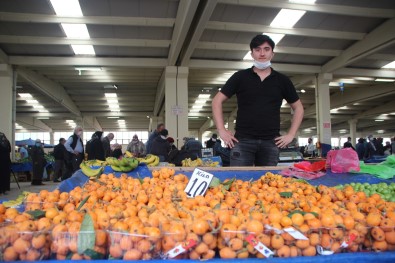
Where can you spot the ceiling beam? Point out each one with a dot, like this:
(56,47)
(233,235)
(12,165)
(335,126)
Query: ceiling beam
(3,57)
(206,126)
(100,114)
(382,109)
(359,72)
(92,122)
(254,28)
(185,13)
(50,88)
(234,65)
(319,8)
(354,95)
(117,42)
(380,38)
(87,61)
(197,32)
(280,50)
(33,122)
(302,79)
(95,20)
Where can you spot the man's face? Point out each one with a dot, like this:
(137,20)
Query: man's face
(262,53)
(161,128)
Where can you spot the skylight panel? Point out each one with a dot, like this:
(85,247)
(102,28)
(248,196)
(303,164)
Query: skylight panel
(287,18)
(83,49)
(390,65)
(76,31)
(307,2)
(66,7)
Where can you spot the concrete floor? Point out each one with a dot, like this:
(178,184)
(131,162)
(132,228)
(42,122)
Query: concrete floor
(26,186)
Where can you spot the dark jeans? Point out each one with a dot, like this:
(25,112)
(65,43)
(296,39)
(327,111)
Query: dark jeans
(59,169)
(249,152)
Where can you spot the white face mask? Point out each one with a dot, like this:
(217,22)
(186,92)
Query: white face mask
(262,65)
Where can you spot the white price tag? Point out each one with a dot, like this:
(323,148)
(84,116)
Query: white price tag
(295,233)
(199,183)
(259,246)
(321,251)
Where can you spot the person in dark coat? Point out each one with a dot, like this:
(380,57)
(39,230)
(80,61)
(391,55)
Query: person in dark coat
(211,142)
(59,153)
(106,144)
(193,147)
(117,152)
(160,146)
(5,164)
(39,162)
(360,148)
(96,149)
(348,144)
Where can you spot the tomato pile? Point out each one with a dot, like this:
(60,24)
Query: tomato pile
(146,218)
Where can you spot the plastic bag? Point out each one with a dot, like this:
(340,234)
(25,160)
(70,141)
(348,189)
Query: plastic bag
(343,160)
(311,167)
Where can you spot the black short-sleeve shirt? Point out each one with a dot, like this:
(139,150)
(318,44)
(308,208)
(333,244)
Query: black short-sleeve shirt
(259,102)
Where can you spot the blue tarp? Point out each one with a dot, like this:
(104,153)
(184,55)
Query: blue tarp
(31,142)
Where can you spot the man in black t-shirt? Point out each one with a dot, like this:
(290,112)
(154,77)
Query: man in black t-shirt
(260,91)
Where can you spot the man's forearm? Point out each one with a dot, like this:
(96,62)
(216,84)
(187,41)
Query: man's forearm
(296,120)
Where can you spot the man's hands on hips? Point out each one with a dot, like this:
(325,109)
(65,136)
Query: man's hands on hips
(228,138)
(284,140)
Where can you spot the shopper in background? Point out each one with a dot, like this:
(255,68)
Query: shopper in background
(59,153)
(117,150)
(310,148)
(96,148)
(211,142)
(152,137)
(193,147)
(5,164)
(75,151)
(171,142)
(160,146)
(370,149)
(393,145)
(387,148)
(23,150)
(260,91)
(106,144)
(360,148)
(39,163)
(136,147)
(348,144)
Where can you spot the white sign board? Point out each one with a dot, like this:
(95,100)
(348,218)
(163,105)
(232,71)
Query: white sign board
(199,183)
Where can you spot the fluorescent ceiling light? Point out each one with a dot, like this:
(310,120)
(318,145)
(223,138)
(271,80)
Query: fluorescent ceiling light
(200,101)
(69,121)
(193,117)
(42,118)
(204,96)
(25,95)
(76,31)
(67,8)
(385,80)
(194,110)
(83,49)
(32,101)
(364,78)
(287,18)
(112,101)
(378,120)
(113,117)
(307,2)
(303,91)
(38,106)
(390,65)
(110,95)
(113,106)
(88,68)
(380,131)
(42,110)
(197,106)
(119,121)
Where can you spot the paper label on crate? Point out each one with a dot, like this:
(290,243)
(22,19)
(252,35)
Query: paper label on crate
(276,230)
(181,248)
(321,251)
(199,183)
(351,239)
(259,246)
(295,233)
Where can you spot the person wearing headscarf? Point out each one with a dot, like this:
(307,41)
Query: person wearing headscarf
(106,144)
(136,147)
(5,164)
(96,149)
(38,160)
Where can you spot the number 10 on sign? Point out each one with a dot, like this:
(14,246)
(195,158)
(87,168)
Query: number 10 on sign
(199,183)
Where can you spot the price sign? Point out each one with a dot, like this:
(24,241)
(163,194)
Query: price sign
(199,183)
